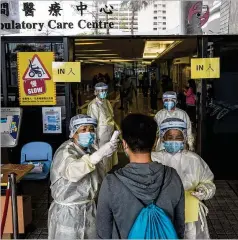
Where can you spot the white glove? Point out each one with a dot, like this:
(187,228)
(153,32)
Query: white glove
(200,194)
(105,151)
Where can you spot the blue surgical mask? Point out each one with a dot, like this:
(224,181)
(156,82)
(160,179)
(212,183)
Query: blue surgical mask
(86,139)
(173,146)
(103,95)
(169,105)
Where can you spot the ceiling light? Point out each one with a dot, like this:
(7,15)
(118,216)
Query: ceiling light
(92,39)
(88,43)
(95,50)
(96,57)
(98,54)
(153,48)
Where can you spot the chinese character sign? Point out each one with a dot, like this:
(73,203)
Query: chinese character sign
(66,71)
(29,8)
(35,83)
(5,9)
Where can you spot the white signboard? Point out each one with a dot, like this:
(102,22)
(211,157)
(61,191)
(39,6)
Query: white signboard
(52,122)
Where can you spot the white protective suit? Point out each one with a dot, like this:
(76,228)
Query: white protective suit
(75,184)
(195,174)
(177,113)
(102,111)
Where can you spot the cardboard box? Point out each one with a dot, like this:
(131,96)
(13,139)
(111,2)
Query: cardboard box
(24,213)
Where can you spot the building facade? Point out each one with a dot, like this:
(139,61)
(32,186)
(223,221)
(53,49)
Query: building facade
(213,24)
(159,16)
(229,17)
(124,17)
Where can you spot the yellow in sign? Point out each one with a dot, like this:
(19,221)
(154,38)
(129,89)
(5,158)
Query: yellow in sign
(66,71)
(205,68)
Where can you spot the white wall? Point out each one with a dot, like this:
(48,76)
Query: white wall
(145,19)
(173,17)
(213,24)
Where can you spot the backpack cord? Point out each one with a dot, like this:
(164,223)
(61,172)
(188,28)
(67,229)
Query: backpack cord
(154,201)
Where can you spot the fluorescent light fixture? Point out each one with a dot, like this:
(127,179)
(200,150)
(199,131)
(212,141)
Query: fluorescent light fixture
(111,60)
(96,57)
(98,54)
(146,63)
(88,43)
(92,39)
(153,48)
(94,50)
(170,47)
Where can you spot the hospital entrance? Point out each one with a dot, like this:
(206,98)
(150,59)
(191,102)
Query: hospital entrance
(140,61)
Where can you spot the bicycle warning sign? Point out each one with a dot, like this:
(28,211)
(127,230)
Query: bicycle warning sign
(36,86)
(36,70)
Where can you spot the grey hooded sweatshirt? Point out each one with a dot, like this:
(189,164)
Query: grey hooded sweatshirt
(121,197)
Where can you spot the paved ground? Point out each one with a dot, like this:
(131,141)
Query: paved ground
(223,208)
(222,217)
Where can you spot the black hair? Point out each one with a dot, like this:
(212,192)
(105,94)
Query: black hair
(139,132)
(192,85)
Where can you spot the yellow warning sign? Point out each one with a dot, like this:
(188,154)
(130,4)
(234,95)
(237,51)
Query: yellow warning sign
(66,71)
(205,68)
(35,83)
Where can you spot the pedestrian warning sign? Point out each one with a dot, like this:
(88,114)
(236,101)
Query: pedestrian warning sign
(205,68)
(66,71)
(36,86)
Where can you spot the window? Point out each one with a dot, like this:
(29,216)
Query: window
(155,18)
(155,12)
(155,29)
(164,17)
(164,28)
(155,5)
(164,23)
(155,23)
(164,5)
(164,11)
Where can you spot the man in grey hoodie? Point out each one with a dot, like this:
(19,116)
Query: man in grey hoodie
(123,194)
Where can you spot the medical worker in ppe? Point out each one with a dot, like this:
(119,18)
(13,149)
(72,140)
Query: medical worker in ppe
(75,179)
(171,111)
(100,108)
(195,174)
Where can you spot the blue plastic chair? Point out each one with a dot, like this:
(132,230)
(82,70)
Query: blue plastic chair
(37,152)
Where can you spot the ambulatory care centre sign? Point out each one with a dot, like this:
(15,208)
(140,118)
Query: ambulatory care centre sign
(57,17)
(97,17)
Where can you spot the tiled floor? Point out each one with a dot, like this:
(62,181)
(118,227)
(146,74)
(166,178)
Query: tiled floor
(223,211)
(222,217)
